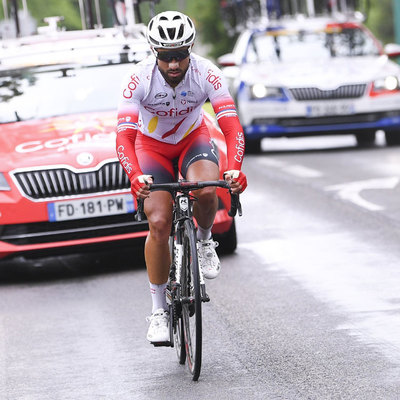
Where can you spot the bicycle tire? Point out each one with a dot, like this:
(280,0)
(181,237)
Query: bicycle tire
(191,305)
(176,319)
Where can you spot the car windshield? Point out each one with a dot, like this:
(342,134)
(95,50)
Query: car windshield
(42,92)
(287,46)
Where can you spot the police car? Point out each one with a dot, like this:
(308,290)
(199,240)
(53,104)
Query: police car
(320,76)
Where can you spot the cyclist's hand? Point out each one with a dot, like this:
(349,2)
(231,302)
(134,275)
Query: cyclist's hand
(140,186)
(237,180)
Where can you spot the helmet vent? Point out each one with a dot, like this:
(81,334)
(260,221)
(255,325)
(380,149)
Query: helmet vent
(180,33)
(161,32)
(171,33)
(190,38)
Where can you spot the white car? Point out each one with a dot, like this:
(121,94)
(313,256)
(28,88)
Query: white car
(314,77)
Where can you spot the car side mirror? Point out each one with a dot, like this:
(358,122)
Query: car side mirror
(227,60)
(392,50)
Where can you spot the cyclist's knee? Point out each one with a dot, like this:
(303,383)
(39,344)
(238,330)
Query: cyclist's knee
(160,226)
(206,195)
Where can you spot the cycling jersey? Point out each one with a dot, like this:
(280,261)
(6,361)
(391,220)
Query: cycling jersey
(150,105)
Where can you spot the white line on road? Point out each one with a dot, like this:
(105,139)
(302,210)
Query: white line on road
(295,169)
(351,190)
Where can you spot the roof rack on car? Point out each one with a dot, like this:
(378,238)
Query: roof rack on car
(91,46)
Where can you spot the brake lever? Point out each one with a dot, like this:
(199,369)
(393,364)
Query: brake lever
(140,216)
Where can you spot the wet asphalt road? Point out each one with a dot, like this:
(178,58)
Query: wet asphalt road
(307,308)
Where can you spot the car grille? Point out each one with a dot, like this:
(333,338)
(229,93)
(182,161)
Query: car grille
(61,182)
(342,92)
(325,120)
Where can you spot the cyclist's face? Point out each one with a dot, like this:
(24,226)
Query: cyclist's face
(173,64)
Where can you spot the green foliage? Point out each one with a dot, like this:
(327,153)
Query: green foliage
(69,9)
(380,20)
(207,17)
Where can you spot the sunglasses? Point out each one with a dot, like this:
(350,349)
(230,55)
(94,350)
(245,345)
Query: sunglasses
(177,55)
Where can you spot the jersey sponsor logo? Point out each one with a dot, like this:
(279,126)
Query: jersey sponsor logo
(215,80)
(187,93)
(239,147)
(172,112)
(123,159)
(161,95)
(132,85)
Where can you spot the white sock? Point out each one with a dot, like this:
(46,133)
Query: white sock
(158,296)
(203,234)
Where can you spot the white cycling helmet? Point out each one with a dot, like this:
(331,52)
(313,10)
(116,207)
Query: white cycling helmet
(170,29)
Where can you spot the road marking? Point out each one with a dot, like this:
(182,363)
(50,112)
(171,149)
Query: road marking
(351,191)
(302,171)
(295,169)
(272,162)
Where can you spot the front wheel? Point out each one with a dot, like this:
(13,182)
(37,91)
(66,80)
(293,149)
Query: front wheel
(366,139)
(392,138)
(191,301)
(253,146)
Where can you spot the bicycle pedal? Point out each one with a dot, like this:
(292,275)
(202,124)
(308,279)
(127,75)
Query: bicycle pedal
(205,298)
(162,344)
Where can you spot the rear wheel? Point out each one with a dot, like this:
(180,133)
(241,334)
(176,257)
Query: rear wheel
(253,146)
(366,139)
(392,138)
(191,301)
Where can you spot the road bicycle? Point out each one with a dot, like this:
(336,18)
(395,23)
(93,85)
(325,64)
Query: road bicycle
(186,290)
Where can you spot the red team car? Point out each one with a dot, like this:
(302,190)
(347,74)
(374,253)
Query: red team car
(62,188)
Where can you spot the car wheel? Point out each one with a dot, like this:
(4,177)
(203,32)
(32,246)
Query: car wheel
(227,241)
(392,138)
(365,139)
(253,146)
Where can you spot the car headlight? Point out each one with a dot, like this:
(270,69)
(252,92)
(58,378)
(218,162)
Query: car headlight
(260,91)
(387,84)
(4,186)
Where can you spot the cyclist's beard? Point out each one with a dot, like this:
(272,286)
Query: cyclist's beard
(173,80)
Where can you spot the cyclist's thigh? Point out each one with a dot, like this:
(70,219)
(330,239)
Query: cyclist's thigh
(155,158)
(198,159)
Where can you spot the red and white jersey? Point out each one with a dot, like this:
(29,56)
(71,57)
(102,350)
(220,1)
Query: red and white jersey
(150,105)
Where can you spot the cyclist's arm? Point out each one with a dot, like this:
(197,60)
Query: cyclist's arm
(228,120)
(128,116)
(126,137)
(229,123)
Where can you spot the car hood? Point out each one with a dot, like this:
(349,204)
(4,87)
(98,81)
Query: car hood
(321,74)
(80,141)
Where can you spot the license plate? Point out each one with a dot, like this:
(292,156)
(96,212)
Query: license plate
(320,110)
(90,208)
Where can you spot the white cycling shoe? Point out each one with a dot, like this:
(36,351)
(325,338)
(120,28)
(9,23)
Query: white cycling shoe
(208,258)
(158,332)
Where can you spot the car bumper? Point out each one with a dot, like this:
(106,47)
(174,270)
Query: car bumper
(292,127)
(266,118)
(50,238)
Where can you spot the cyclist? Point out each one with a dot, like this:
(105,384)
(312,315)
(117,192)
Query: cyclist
(160,125)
